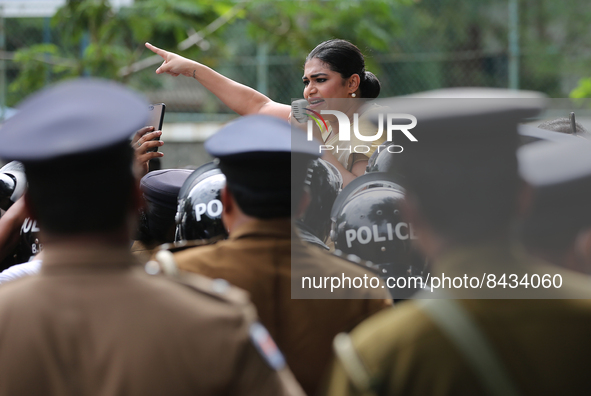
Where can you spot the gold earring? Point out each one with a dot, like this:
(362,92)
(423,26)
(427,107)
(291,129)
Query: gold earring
(353,94)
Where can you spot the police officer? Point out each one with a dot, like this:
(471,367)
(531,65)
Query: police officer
(463,194)
(91,322)
(265,167)
(157,218)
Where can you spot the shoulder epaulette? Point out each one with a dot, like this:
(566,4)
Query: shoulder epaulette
(356,371)
(176,247)
(165,265)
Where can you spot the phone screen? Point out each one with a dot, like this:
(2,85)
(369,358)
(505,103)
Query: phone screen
(156,118)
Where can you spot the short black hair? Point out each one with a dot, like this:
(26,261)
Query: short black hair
(345,58)
(82,193)
(275,191)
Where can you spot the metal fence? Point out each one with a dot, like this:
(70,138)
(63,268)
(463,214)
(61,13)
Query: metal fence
(427,56)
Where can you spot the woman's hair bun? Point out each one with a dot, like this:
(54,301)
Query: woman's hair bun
(370,85)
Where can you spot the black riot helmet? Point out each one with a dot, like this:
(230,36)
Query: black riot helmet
(199,213)
(324,182)
(12,183)
(362,183)
(370,226)
(368,223)
(384,159)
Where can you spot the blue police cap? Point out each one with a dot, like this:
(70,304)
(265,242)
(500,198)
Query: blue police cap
(265,164)
(74,117)
(162,187)
(257,136)
(459,118)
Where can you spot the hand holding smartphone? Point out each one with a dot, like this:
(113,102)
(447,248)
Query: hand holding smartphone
(156,119)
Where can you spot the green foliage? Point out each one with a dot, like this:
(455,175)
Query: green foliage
(38,62)
(90,38)
(583,90)
(295,27)
(410,45)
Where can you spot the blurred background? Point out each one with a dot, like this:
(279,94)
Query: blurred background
(410,45)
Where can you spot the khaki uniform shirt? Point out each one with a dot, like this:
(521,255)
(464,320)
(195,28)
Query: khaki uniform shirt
(257,257)
(543,344)
(92,324)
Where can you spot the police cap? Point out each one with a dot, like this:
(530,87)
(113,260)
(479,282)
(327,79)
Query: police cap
(456,119)
(264,163)
(74,117)
(162,187)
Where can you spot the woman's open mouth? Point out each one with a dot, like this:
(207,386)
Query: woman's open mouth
(315,101)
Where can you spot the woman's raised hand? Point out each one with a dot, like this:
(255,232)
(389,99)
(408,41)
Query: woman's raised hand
(173,64)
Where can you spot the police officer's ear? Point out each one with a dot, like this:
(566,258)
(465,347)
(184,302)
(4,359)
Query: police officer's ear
(304,203)
(227,201)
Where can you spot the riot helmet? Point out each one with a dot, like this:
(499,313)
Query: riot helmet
(324,183)
(12,183)
(199,212)
(383,159)
(368,223)
(362,183)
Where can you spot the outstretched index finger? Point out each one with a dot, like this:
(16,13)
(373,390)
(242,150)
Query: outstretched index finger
(157,50)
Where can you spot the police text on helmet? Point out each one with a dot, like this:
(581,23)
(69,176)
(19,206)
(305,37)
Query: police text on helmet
(365,234)
(213,208)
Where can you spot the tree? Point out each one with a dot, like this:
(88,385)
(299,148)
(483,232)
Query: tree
(90,38)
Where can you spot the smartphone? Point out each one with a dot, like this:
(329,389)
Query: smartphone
(156,119)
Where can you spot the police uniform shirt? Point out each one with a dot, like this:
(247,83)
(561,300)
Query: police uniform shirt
(542,344)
